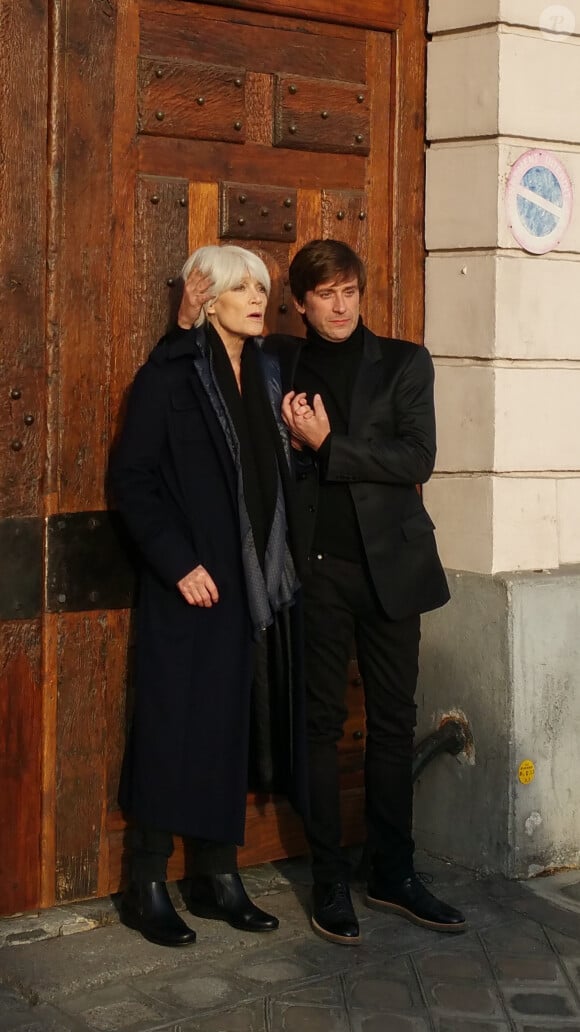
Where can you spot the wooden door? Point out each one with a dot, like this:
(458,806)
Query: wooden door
(175,124)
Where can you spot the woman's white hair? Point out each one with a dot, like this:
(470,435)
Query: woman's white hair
(227,266)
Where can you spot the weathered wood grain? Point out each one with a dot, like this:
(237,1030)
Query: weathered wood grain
(259,108)
(408,171)
(81,735)
(192,100)
(207,161)
(321,115)
(23,186)
(84,259)
(161,247)
(23,119)
(379,186)
(259,43)
(345,216)
(20,766)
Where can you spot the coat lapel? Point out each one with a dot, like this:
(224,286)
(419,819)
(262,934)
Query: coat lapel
(215,429)
(367,382)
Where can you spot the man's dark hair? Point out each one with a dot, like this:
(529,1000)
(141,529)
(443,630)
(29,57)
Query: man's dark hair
(324,261)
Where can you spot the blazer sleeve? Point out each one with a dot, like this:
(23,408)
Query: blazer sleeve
(136,480)
(408,456)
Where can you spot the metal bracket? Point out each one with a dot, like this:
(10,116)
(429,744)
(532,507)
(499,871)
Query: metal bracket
(90,563)
(21,581)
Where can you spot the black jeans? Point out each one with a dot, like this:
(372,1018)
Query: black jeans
(151,849)
(340,605)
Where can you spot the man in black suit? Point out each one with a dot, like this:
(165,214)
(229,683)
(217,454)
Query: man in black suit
(360,408)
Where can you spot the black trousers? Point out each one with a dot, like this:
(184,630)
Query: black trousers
(340,605)
(151,849)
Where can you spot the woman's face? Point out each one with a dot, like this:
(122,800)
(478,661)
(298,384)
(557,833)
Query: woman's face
(239,313)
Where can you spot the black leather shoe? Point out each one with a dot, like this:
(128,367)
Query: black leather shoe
(147,908)
(224,897)
(333,915)
(412,900)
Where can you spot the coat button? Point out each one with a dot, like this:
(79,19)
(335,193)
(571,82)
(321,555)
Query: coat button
(311,508)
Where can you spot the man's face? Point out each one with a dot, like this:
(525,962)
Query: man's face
(332,308)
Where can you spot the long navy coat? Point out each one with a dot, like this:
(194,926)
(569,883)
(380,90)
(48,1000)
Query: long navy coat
(174,480)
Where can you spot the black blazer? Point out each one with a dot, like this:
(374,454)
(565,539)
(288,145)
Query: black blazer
(388,450)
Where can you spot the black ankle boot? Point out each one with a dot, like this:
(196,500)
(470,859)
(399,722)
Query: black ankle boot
(223,896)
(147,908)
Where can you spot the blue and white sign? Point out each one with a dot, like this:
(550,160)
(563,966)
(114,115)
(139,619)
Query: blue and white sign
(539,199)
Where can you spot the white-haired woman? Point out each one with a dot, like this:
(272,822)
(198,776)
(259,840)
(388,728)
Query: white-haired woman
(201,476)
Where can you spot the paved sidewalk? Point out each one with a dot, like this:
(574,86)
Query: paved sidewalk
(517,967)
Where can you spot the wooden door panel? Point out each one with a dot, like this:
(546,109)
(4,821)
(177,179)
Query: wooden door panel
(320,115)
(192,100)
(252,212)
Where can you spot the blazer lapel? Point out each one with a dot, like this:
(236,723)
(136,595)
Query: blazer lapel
(367,382)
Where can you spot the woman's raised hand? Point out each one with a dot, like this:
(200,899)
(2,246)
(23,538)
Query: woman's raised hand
(197,289)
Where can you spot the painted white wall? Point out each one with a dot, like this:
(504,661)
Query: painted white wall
(504,80)
(503,305)
(502,324)
(446,15)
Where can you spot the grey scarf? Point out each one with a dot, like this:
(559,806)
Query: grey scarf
(273,589)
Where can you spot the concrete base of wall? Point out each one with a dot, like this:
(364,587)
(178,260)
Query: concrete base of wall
(505,653)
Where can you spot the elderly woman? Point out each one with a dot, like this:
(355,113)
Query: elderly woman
(200,475)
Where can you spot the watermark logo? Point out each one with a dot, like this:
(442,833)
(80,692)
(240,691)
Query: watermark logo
(557,19)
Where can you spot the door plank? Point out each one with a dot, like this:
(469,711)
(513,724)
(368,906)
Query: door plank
(345,217)
(24,105)
(20,765)
(84,661)
(203,214)
(259,108)
(375,14)
(124,169)
(85,255)
(23,177)
(408,175)
(208,160)
(379,186)
(192,31)
(161,221)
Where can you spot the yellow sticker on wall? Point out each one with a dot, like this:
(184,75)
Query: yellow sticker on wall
(526,772)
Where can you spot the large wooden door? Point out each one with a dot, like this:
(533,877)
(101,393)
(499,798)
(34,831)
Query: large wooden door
(175,124)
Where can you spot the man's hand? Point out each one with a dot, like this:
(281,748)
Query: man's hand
(197,289)
(198,588)
(307,424)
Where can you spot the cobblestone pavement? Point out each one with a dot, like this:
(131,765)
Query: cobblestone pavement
(516,968)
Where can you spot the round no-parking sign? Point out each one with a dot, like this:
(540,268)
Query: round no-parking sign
(539,201)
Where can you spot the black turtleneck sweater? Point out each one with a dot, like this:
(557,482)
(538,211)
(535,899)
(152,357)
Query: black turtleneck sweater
(329,368)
